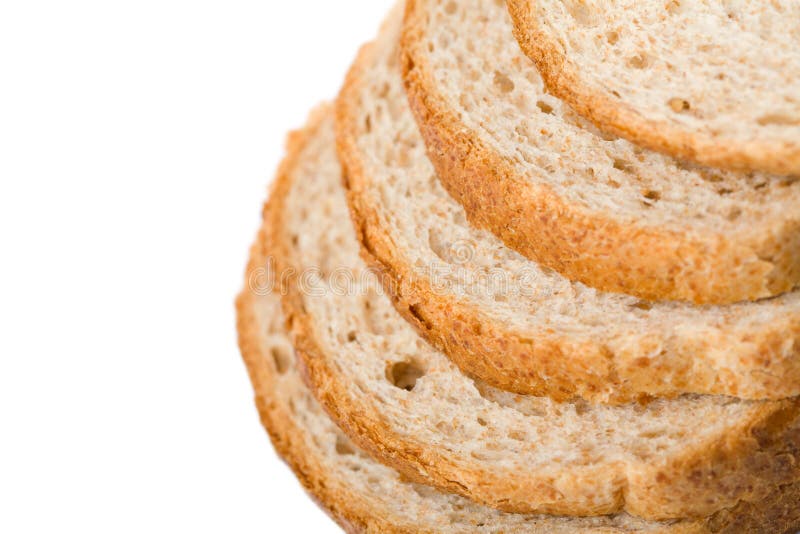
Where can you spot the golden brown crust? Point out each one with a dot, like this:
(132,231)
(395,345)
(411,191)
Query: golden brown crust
(777,513)
(547,362)
(615,116)
(584,245)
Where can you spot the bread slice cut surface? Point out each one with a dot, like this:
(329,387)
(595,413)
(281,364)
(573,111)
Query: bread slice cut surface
(714,82)
(591,206)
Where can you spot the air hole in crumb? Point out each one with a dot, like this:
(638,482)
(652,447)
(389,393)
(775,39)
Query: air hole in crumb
(678,104)
(343,447)
(516,435)
(405,374)
(623,165)
(778,119)
(482,421)
(445,428)
(450,8)
(652,195)
(612,37)
(613,183)
(673,7)
(544,107)
(281,358)
(724,191)
(734,214)
(639,61)
(351,336)
(581,12)
(481,456)
(368,124)
(643,305)
(710,176)
(439,245)
(503,82)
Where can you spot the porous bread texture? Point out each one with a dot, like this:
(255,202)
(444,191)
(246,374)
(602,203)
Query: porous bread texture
(715,82)
(507,320)
(593,207)
(410,407)
(363,495)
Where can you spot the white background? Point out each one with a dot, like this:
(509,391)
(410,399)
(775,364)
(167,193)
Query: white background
(137,139)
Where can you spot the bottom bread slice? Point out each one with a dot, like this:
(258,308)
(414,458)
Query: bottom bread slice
(411,408)
(363,495)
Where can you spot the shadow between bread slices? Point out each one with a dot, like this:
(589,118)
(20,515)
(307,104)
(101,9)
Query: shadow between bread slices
(593,207)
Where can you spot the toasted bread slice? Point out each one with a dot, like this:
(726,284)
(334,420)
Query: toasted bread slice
(595,208)
(409,406)
(363,495)
(714,82)
(513,323)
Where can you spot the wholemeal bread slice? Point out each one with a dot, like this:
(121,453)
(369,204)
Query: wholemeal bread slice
(715,82)
(363,495)
(513,323)
(597,209)
(410,407)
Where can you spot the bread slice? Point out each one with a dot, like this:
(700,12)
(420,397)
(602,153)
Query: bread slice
(714,82)
(410,407)
(363,495)
(512,323)
(595,208)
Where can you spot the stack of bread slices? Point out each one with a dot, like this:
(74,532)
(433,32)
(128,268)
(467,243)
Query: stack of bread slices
(536,271)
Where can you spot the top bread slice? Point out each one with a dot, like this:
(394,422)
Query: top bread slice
(593,207)
(715,82)
(513,323)
(363,495)
(409,406)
